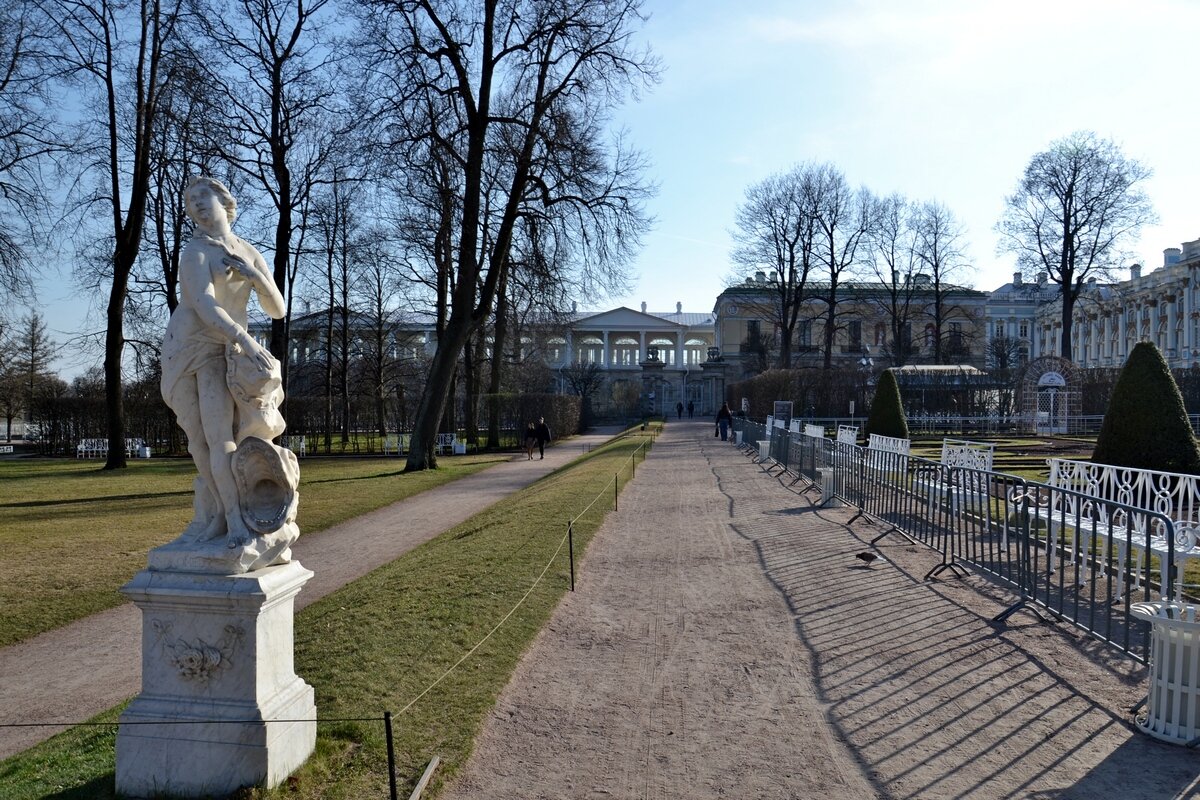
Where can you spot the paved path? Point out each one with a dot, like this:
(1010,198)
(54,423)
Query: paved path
(77,671)
(723,641)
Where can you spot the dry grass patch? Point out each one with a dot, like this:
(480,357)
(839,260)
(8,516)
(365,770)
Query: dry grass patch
(72,534)
(377,643)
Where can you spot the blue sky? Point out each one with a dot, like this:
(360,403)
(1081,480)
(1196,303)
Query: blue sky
(938,101)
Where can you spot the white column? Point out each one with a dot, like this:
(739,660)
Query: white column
(679,337)
(1171,345)
(569,355)
(641,346)
(1188,310)
(606,358)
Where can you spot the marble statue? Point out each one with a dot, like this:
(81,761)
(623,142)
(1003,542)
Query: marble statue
(225,389)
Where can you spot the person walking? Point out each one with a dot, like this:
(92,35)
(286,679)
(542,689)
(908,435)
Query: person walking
(724,420)
(531,440)
(691,409)
(679,410)
(543,436)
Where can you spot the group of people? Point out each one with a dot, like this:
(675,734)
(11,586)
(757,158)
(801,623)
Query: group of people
(691,409)
(537,435)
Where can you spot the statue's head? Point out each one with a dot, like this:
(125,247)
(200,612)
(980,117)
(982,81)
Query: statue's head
(216,187)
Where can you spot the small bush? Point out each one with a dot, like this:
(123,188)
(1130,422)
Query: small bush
(887,412)
(1146,425)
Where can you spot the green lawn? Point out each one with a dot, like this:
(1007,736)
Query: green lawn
(377,643)
(72,534)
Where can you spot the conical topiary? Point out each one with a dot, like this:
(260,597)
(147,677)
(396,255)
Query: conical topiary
(887,412)
(1146,426)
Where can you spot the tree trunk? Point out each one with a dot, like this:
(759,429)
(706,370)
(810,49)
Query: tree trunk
(1068,308)
(437,389)
(499,336)
(830,333)
(114,344)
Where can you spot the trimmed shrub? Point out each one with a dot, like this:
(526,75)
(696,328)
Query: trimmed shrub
(1146,425)
(887,412)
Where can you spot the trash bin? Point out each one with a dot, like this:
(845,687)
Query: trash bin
(737,438)
(143,452)
(1172,711)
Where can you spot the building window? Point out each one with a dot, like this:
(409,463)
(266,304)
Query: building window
(625,352)
(856,335)
(666,350)
(1024,330)
(998,331)
(804,334)
(956,337)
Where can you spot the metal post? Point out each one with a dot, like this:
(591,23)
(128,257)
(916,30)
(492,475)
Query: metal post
(391,750)
(571,550)
(616,488)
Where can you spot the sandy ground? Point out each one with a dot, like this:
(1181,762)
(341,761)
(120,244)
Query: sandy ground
(81,669)
(724,642)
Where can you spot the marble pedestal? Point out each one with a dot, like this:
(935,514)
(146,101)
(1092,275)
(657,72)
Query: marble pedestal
(218,685)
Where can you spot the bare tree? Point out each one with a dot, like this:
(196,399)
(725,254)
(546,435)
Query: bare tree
(844,217)
(776,231)
(377,291)
(1076,207)
(28,136)
(894,262)
(30,351)
(506,104)
(115,51)
(278,74)
(938,246)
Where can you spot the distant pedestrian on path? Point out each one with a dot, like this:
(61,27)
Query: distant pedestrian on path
(691,409)
(724,419)
(531,440)
(542,431)
(679,410)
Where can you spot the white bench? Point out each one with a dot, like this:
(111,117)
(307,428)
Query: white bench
(886,455)
(847,435)
(448,443)
(961,475)
(92,448)
(1176,496)
(296,444)
(396,444)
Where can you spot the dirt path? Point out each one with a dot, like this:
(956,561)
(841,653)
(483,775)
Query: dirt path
(77,671)
(724,642)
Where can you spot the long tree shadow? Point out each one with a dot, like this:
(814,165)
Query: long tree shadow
(930,698)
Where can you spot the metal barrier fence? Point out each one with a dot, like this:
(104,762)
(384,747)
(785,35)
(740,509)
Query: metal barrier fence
(1077,557)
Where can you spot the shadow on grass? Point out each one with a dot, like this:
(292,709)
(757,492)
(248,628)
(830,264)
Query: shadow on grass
(100,788)
(106,499)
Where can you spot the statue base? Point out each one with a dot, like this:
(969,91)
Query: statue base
(221,706)
(216,557)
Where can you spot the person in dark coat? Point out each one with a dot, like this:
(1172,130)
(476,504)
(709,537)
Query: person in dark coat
(679,410)
(691,409)
(543,436)
(724,420)
(531,440)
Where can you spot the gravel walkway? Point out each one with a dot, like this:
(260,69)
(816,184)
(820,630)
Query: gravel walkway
(77,671)
(724,642)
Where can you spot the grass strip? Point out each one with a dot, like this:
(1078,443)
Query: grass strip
(93,528)
(381,641)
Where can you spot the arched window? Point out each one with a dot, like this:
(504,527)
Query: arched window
(930,335)
(590,350)
(556,350)
(625,352)
(695,351)
(666,350)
